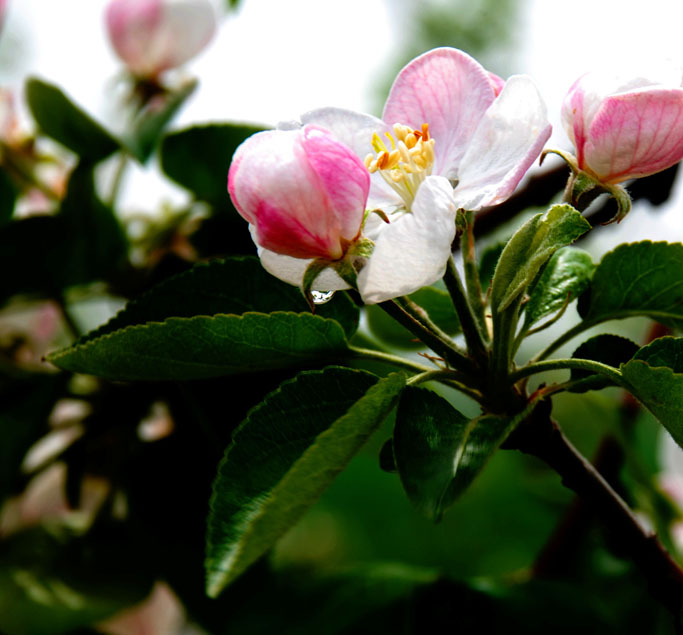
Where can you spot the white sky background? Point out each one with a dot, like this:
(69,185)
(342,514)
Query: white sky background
(278,58)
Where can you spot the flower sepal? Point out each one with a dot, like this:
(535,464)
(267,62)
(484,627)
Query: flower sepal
(347,268)
(583,188)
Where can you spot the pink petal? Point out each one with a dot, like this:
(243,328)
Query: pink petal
(151,36)
(356,130)
(497,82)
(450,91)
(636,134)
(290,184)
(342,175)
(507,141)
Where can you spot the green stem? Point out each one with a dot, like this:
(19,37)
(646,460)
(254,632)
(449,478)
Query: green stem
(468,322)
(504,328)
(524,333)
(430,375)
(446,349)
(566,364)
(388,358)
(563,339)
(422,316)
(472,281)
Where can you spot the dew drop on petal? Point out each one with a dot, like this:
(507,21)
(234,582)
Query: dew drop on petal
(321,297)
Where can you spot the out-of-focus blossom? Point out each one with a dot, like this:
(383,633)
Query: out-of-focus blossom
(160,614)
(39,177)
(152,36)
(626,127)
(3,7)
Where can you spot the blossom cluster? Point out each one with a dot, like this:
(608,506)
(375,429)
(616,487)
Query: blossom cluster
(452,137)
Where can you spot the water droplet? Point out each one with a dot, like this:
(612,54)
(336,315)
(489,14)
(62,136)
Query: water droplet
(321,297)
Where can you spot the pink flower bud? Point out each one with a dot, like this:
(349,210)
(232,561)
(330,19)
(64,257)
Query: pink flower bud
(151,36)
(303,192)
(625,128)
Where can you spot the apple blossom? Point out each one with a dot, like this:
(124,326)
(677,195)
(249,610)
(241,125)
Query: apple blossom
(305,194)
(623,128)
(152,36)
(446,122)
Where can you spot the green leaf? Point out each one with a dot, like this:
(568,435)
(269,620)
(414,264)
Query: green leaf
(154,117)
(202,347)
(641,278)
(612,350)
(8,197)
(563,279)
(26,403)
(530,248)
(234,285)
(300,437)
(97,243)
(54,582)
(438,451)
(655,375)
(65,122)
(198,158)
(47,254)
(436,302)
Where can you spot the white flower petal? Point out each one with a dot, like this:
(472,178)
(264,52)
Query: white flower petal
(411,252)
(508,140)
(291,270)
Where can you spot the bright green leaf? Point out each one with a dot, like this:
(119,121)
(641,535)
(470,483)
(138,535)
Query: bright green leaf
(563,279)
(300,437)
(438,451)
(234,285)
(655,375)
(641,278)
(151,121)
(202,347)
(530,248)
(198,158)
(59,118)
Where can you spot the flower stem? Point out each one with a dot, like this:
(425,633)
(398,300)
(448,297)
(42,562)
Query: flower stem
(468,322)
(444,348)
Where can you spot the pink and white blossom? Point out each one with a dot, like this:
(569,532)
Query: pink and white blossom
(152,36)
(626,127)
(303,192)
(465,128)
(452,136)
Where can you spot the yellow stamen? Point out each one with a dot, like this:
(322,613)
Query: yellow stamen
(407,163)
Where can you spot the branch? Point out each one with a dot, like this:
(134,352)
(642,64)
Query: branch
(542,437)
